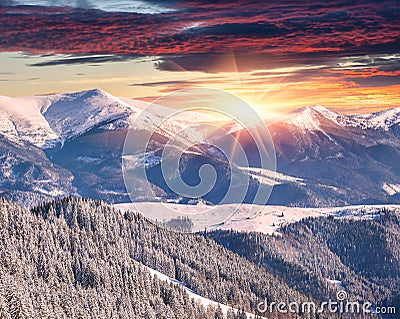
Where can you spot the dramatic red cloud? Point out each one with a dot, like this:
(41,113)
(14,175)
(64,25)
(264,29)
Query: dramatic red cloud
(334,27)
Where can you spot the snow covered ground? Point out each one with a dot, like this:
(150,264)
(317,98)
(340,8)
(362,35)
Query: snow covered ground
(245,217)
(267,219)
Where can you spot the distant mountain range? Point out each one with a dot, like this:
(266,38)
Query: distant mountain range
(70,144)
(343,159)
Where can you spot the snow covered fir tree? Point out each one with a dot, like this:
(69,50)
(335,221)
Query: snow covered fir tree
(79,258)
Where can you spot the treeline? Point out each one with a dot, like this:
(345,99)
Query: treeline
(78,258)
(71,264)
(201,264)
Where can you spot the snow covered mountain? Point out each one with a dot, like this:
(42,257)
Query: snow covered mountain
(48,121)
(72,144)
(81,133)
(45,121)
(357,155)
(32,129)
(338,159)
(309,118)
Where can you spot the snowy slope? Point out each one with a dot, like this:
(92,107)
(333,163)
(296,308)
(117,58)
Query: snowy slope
(45,121)
(268,220)
(204,301)
(70,115)
(305,119)
(379,120)
(21,120)
(168,121)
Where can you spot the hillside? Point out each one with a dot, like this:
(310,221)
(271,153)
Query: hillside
(359,255)
(84,253)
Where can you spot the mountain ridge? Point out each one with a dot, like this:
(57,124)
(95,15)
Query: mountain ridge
(333,158)
(383,119)
(50,108)
(61,117)
(45,105)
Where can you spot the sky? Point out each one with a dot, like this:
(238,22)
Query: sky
(276,55)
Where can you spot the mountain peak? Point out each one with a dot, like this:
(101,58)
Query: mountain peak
(93,92)
(310,117)
(305,118)
(321,109)
(47,120)
(83,95)
(73,114)
(314,109)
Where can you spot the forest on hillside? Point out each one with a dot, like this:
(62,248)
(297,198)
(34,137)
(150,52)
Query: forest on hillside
(80,258)
(361,255)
